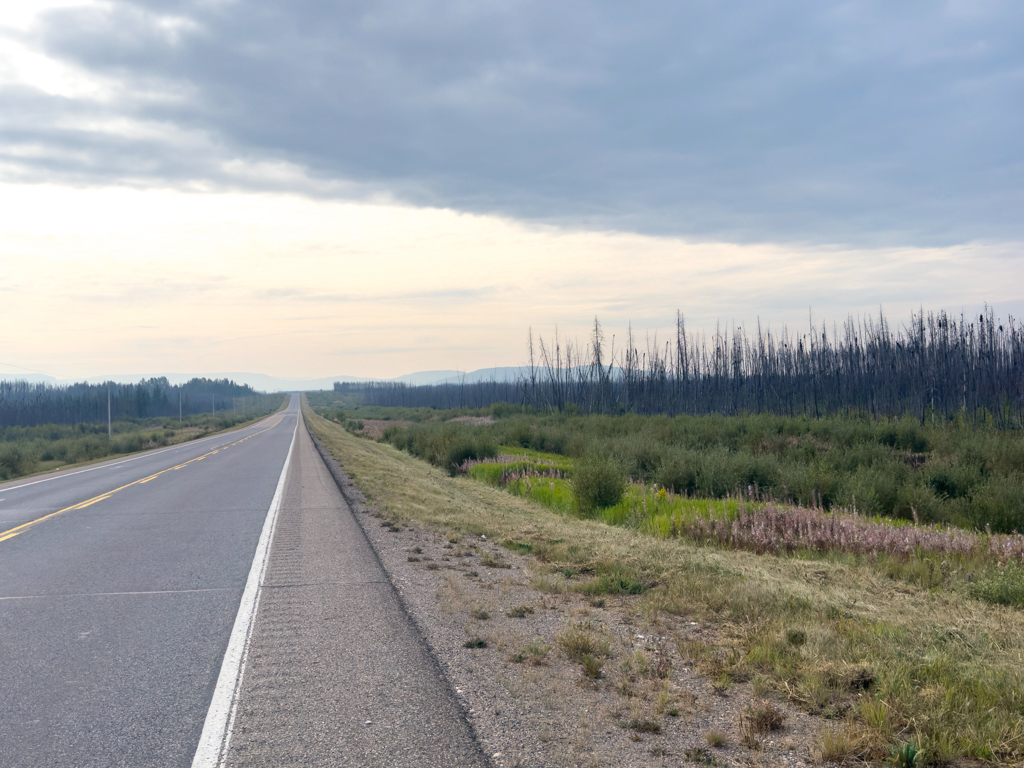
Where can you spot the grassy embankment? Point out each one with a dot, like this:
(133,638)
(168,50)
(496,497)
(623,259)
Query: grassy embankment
(47,447)
(895,660)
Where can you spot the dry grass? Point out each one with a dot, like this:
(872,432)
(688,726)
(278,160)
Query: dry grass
(890,662)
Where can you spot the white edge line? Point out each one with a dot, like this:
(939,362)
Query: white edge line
(141,455)
(216,736)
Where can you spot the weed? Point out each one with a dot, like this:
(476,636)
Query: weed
(835,746)
(476,642)
(658,752)
(591,666)
(759,685)
(763,717)
(596,602)
(722,683)
(578,642)
(641,725)
(906,755)
(749,736)
(489,561)
(609,585)
(433,566)
(700,756)
(534,653)
(519,612)
(716,738)
(480,614)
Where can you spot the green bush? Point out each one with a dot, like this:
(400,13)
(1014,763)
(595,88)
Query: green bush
(678,474)
(598,482)
(13,461)
(445,445)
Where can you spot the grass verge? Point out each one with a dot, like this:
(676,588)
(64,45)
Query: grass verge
(894,663)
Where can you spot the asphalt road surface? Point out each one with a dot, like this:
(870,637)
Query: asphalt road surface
(123,590)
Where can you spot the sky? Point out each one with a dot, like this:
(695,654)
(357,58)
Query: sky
(311,188)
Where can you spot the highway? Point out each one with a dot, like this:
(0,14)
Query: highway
(117,605)
(212,604)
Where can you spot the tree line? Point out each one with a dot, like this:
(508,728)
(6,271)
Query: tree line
(936,366)
(26,404)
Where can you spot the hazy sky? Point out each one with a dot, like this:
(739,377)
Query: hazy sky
(315,188)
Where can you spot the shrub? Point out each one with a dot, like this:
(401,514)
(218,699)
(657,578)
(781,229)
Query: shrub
(597,482)
(13,461)
(678,474)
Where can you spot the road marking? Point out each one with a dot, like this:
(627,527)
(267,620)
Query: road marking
(141,455)
(20,529)
(118,594)
(220,718)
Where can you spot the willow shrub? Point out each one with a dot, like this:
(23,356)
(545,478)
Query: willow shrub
(598,482)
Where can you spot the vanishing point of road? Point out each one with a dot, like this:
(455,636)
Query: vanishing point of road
(213,603)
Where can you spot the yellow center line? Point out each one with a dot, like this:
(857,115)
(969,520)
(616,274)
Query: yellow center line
(18,530)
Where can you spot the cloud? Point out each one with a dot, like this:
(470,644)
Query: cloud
(308,296)
(872,123)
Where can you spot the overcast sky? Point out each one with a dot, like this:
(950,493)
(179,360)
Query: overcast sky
(314,188)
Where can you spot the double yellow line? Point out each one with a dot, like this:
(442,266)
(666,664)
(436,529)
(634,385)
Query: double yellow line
(12,532)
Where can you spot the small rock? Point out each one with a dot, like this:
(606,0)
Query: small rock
(496,755)
(368,722)
(483,537)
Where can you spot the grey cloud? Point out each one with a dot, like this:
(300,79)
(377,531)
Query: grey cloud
(799,121)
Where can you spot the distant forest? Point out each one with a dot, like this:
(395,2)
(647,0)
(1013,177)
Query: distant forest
(25,405)
(936,367)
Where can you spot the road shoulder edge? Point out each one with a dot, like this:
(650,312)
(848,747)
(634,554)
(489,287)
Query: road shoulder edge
(361,510)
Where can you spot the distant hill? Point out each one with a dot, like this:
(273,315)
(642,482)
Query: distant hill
(421,377)
(504,373)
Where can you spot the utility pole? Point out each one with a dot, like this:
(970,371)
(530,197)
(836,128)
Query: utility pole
(179,405)
(110,424)
(213,405)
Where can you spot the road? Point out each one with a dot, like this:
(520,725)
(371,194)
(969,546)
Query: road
(115,615)
(154,613)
